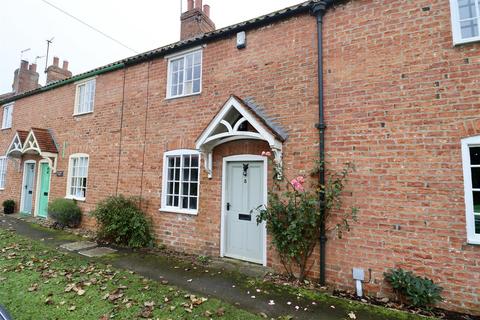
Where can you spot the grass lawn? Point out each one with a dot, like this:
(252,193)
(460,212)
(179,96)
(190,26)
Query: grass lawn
(37,282)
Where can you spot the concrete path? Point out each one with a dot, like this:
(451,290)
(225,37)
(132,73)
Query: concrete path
(232,287)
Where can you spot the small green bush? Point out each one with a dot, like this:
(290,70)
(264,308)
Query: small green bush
(8,206)
(121,221)
(65,212)
(419,292)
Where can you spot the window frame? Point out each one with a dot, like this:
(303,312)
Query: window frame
(3,167)
(69,176)
(176,56)
(78,84)
(8,106)
(467,143)
(179,152)
(456,27)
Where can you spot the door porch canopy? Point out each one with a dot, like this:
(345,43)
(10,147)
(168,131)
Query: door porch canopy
(35,141)
(240,119)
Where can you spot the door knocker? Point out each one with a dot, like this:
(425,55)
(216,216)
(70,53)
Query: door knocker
(245,172)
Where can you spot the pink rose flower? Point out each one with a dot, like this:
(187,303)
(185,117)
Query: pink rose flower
(297,185)
(300,179)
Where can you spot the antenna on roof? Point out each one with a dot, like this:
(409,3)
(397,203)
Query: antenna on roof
(38,57)
(48,49)
(23,51)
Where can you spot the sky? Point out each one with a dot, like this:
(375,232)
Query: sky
(140,24)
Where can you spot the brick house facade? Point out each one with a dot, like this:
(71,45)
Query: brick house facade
(399,100)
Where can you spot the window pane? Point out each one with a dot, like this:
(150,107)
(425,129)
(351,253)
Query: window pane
(194,175)
(175,201)
(185,203)
(188,87)
(176,188)
(469,28)
(476,178)
(476,201)
(196,86)
(186,161)
(169,200)
(474,155)
(177,161)
(186,175)
(193,203)
(189,61)
(194,161)
(189,75)
(193,189)
(477,224)
(196,72)
(185,189)
(198,59)
(467,9)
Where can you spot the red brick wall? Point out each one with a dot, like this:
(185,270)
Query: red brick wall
(399,98)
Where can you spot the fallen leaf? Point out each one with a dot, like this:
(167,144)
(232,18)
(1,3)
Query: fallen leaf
(33,287)
(72,308)
(220,312)
(81,292)
(352,315)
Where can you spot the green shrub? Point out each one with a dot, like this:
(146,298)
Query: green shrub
(121,221)
(8,206)
(419,292)
(65,212)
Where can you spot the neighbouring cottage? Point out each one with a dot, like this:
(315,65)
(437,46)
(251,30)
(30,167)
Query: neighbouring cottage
(183,126)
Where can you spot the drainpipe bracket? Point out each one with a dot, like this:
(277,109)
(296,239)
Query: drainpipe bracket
(318,8)
(320,126)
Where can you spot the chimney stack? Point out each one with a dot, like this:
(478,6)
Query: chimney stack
(196,20)
(55,73)
(25,78)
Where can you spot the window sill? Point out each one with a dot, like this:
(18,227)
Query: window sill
(75,198)
(9,128)
(82,114)
(473,242)
(180,211)
(458,43)
(184,96)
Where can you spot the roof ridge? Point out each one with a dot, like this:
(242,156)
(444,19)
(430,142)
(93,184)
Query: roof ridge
(209,36)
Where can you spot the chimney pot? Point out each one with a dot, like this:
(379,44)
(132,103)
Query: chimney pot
(198,4)
(190,5)
(206,10)
(24,64)
(56,61)
(33,67)
(65,65)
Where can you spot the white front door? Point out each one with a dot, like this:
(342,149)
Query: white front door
(244,192)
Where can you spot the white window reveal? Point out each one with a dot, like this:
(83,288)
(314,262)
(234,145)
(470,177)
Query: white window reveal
(185,74)
(465,20)
(3,172)
(85,97)
(471,177)
(181,181)
(77,177)
(7,116)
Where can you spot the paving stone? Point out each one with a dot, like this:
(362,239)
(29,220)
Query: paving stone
(97,252)
(76,246)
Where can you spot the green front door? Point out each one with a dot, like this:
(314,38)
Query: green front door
(44,190)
